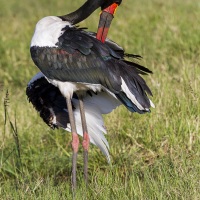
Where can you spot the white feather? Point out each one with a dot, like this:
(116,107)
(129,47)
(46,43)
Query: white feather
(47,31)
(105,101)
(152,104)
(132,97)
(95,106)
(68,88)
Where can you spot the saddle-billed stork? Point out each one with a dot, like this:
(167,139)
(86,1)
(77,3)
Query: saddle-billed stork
(75,61)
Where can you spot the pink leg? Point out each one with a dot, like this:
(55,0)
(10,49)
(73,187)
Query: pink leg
(86,140)
(85,144)
(75,142)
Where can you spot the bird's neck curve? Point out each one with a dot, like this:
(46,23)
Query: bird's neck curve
(83,12)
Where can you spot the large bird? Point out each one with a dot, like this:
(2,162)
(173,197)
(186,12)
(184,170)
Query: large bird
(75,61)
(47,32)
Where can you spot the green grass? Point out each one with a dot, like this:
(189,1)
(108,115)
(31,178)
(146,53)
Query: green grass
(154,156)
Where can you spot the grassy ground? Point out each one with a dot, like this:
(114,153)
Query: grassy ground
(154,156)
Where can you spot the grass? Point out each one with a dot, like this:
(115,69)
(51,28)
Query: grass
(154,156)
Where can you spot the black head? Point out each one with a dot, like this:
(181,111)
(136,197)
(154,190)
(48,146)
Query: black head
(107,3)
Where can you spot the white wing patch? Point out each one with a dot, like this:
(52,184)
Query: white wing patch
(152,104)
(130,95)
(104,101)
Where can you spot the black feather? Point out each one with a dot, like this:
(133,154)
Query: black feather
(82,58)
(49,102)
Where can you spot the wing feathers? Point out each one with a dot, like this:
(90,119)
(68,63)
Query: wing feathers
(82,58)
(51,105)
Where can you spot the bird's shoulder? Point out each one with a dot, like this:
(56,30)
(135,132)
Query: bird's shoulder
(75,39)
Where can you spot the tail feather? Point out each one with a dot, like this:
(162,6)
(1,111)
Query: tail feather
(139,68)
(129,104)
(137,84)
(134,88)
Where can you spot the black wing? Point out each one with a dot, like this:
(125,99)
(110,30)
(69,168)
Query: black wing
(49,102)
(79,57)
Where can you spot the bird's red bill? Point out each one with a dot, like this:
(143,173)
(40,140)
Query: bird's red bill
(111,9)
(105,21)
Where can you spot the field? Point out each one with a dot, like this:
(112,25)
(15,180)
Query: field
(154,156)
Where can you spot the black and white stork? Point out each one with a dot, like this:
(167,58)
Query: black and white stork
(74,61)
